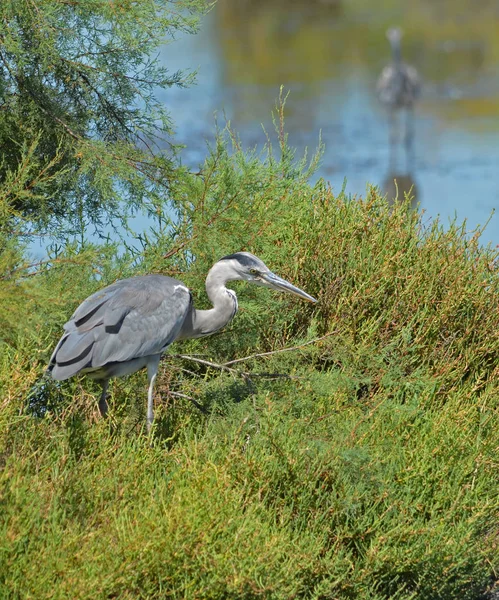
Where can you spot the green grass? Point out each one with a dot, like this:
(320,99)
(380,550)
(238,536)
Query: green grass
(283,496)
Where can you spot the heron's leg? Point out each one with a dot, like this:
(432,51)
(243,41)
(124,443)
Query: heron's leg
(409,138)
(393,139)
(152,371)
(102,402)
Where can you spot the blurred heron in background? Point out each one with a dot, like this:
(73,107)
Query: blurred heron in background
(398,88)
(128,325)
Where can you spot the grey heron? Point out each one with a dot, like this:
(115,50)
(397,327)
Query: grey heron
(129,324)
(398,88)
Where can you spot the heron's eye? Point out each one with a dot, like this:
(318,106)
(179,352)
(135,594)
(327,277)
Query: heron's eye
(253,271)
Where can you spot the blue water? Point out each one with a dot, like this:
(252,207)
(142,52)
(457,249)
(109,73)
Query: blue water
(456,170)
(329,60)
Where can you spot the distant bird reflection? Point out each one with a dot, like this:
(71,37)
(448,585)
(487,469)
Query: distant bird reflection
(397,186)
(398,88)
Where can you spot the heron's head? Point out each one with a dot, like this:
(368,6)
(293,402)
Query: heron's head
(244,266)
(394,35)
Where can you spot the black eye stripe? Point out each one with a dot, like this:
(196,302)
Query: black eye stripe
(242,258)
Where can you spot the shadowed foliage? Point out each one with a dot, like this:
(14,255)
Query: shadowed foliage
(78,84)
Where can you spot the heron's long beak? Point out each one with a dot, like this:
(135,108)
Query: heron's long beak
(276,282)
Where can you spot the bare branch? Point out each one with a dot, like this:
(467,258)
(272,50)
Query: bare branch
(186,397)
(247,375)
(290,349)
(208,363)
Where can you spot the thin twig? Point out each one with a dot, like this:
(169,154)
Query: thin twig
(201,361)
(186,397)
(247,374)
(244,374)
(238,360)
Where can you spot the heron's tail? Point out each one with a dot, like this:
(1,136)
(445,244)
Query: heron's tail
(72,354)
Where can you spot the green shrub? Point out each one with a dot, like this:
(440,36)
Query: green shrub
(367,468)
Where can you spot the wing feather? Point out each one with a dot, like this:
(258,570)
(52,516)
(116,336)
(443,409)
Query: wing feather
(131,318)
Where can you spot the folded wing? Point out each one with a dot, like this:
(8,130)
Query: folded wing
(129,319)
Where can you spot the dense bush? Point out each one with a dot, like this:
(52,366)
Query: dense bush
(366,468)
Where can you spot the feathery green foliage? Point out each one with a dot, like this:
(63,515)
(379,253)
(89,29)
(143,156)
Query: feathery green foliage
(368,469)
(78,87)
(351,451)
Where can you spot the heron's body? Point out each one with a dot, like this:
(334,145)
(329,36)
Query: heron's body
(121,326)
(128,325)
(398,86)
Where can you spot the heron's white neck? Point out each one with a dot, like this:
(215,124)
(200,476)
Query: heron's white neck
(396,51)
(205,322)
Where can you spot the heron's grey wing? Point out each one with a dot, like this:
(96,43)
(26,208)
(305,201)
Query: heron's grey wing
(141,320)
(88,315)
(130,319)
(384,84)
(414,80)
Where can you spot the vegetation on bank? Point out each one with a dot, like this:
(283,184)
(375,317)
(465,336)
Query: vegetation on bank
(362,462)
(369,471)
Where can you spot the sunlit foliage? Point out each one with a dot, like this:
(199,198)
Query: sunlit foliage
(361,465)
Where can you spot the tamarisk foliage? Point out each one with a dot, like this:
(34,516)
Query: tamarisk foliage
(367,470)
(78,87)
(345,450)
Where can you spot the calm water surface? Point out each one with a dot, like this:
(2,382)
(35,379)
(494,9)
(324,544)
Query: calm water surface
(328,54)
